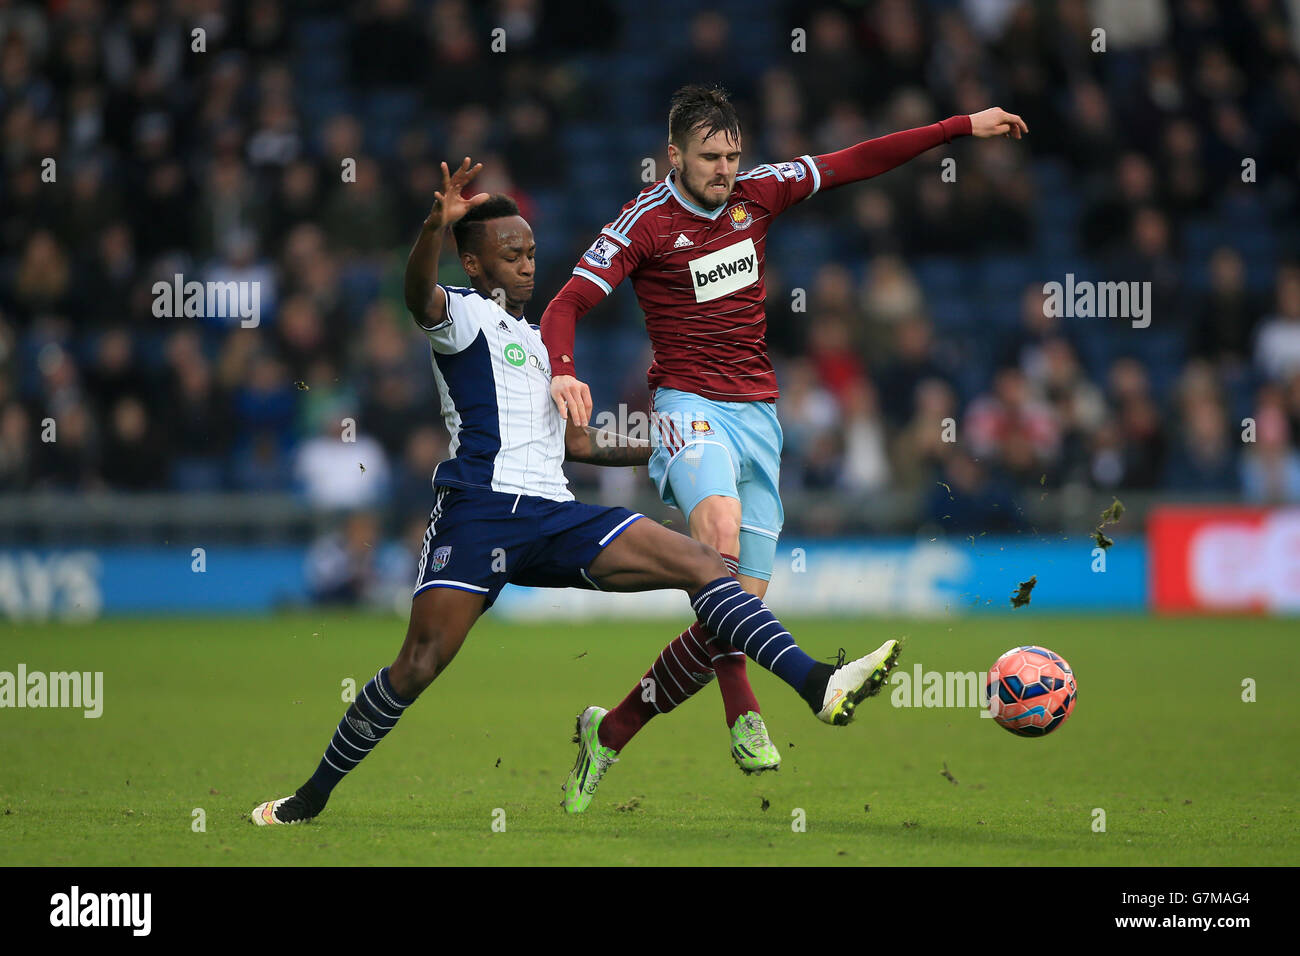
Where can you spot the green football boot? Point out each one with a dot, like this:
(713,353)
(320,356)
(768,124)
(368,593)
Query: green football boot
(593,761)
(751,747)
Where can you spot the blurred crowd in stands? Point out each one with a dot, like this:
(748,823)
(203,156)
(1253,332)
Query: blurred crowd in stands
(1171,156)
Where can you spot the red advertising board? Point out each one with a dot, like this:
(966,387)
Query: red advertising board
(1224,559)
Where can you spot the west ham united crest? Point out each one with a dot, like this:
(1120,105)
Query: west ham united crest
(740,217)
(440,558)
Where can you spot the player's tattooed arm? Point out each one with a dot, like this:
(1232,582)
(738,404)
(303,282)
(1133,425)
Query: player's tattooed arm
(599,446)
(425,300)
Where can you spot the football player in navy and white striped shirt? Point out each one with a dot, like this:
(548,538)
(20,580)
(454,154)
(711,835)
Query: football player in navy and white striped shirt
(504,512)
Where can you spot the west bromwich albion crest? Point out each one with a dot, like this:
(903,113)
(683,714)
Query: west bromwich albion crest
(440,558)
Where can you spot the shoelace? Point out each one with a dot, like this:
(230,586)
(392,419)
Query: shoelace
(758,737)
(839,662)
(603,763)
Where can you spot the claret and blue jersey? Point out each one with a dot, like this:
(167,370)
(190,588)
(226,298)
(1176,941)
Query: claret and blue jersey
(698,276)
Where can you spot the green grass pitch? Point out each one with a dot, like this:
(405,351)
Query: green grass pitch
(220,715)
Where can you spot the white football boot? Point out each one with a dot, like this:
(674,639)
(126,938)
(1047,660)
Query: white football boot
(854,682)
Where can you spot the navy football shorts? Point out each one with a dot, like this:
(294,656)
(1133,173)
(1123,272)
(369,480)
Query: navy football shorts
(480,541)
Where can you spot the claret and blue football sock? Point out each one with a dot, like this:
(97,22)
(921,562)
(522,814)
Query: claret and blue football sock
(681,669)
(367,721)
(688,663)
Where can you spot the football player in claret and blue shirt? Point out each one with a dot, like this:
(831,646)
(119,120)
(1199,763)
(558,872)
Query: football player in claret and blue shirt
(693,245)
(502,493)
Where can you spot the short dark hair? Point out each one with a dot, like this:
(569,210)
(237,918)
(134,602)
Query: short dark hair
(469,229)
(704,108)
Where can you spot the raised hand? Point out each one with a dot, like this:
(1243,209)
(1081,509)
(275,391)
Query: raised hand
(449,204)
(996,121)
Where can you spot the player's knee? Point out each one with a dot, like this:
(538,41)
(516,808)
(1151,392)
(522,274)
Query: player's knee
(704,564)
(716,525)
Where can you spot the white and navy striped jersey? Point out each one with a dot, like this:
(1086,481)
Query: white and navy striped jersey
(494,381)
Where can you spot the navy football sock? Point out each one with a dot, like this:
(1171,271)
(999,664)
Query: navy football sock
(368,720)
(744,621)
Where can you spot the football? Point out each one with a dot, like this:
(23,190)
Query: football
(1031,691)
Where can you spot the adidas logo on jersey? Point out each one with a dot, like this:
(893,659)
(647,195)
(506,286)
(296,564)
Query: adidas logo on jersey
(502,325)
(682,242)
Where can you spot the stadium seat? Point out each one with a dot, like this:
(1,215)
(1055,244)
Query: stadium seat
(1059,210)
(587,139)
(1199,237)
(197,474)
(940,275)
(1051,176)
(1056,241)
(999,309)
(952,312)
(388,114)
(360,284)
(325,72)
(320,34)
(1004,275)
(319,105)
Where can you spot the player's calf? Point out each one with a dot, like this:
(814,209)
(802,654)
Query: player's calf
(440,621)
(368,720)
(681,669)
(744,621)
(420,660)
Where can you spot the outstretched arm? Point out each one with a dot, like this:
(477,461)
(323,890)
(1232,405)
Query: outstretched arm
(559,328)
(425,300)
(615,254)
(876,156)
(601,447)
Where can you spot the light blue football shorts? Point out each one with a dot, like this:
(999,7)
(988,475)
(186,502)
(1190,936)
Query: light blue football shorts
(703,447)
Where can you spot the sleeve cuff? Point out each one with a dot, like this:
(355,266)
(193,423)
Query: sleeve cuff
(445,322)
(955,126)
(559,367)
(596,280)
